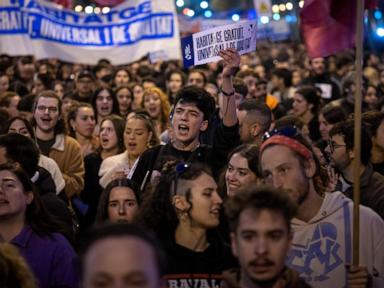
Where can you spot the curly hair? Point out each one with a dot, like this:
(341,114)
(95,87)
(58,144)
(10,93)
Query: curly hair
(158,212)
(320,179)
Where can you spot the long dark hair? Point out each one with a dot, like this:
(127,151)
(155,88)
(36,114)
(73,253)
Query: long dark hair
(102,210)
(27,124)
(115,104)
(158,212)
(36,215)
(119,125)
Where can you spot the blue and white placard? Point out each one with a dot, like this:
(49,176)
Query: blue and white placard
(203,47)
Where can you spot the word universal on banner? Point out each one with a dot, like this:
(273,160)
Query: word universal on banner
(204,47)
(125,34)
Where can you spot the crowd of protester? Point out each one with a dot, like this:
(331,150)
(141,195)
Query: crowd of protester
(267,135)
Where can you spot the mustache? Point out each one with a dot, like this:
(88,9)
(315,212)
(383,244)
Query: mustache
(265,262)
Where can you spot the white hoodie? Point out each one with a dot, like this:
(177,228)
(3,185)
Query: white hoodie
(323,246)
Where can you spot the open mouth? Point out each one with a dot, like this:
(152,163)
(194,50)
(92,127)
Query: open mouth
(184,129)
(46,120)
(3,202)
(105,110)
(215,211)
(104,141)
(132,146)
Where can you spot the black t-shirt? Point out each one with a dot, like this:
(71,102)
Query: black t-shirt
(45,145)
(198,269)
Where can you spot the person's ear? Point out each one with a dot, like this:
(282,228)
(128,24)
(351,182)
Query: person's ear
(204,125)
(351,154)
(255,129)
(29,197)
(310,168)
(72,123)
(232,236)
(180,203)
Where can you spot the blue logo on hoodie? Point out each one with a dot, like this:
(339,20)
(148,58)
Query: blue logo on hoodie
(322,248)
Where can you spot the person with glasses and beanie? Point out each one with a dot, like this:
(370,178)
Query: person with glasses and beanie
(184,212)
(191,113)
(322,228)
(340,149)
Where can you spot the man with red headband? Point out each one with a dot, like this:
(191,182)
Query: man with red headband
(322,240)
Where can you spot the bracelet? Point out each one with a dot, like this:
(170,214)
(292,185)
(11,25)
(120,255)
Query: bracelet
(227,94)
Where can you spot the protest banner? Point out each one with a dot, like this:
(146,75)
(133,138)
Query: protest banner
(204,47)
(125,34)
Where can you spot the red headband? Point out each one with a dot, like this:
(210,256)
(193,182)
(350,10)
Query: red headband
(291,143)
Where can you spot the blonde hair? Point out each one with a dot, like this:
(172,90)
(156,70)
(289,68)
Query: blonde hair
(165,106)
(14,270)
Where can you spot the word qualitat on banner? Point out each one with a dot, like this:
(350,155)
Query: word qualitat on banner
(204,47)
(125,34)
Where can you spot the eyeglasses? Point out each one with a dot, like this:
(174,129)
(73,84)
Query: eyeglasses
(332,145)
(51,109)
(288,131)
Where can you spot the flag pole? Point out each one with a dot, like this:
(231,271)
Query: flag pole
(357,139)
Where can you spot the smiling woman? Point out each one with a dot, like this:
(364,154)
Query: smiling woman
(242,168)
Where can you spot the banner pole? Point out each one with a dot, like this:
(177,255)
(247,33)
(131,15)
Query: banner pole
(357,133)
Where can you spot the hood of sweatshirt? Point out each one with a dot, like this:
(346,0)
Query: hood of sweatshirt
(332,203)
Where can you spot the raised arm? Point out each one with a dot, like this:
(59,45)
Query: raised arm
(231,59)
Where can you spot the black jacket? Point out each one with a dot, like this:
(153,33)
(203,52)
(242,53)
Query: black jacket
(215,156)
(371,190)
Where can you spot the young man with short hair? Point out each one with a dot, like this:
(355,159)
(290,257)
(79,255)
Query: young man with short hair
(341,151)
(259,219)
(322,228)
(192,110)
(84,83)
(255,118)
